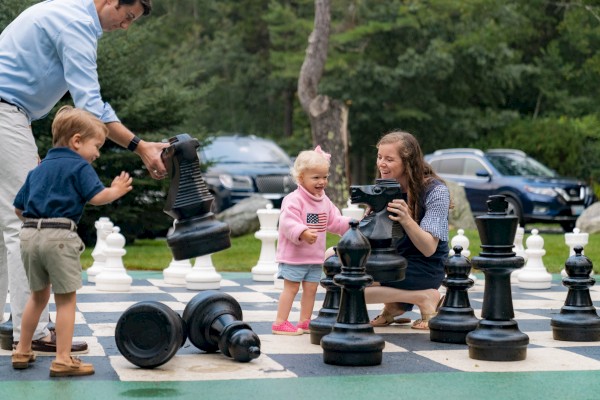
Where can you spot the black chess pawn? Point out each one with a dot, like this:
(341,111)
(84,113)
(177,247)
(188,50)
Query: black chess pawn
(215,323)
(456,317)
(149,333)
(6,334)
(497,337)
(196,232)
(352,341)
(578,320)
(322,324)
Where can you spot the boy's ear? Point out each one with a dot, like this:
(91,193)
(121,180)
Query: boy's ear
(75,141)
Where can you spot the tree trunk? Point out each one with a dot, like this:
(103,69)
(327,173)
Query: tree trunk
(328,117)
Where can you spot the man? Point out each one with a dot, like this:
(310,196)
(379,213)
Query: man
(49,49)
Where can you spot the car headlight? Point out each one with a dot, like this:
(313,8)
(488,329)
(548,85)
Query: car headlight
(236,181)
(544,191)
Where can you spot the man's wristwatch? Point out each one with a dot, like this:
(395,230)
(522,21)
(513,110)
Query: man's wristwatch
(133,144)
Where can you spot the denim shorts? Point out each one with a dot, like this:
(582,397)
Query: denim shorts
(300,273)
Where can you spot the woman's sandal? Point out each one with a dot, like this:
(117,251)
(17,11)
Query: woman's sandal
(423,322)
(386,319)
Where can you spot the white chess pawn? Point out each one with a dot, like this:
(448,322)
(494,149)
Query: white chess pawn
(176,272)
(534,275)
(113,277)
(577,238)
(461,240)
(353,211)
(103,229)
(203,276)
(520,251)
(266,267)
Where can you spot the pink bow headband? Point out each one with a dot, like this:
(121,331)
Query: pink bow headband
(320,151)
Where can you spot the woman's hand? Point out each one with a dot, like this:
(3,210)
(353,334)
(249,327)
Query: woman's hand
(400,211)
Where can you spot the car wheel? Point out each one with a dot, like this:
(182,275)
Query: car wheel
(568,226)
(515,209)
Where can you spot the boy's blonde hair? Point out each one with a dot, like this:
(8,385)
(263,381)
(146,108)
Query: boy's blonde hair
(69,121)
(309,159)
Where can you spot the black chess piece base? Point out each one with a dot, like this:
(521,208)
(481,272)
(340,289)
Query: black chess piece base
(364,349)
(577,326)
(497,341)
(6,335)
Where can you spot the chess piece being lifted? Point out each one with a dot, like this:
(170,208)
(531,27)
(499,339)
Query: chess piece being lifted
(384,263)
(196,231)
(578,320)
(214,323)
(497,337)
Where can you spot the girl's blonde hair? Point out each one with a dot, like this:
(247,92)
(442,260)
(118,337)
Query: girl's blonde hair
(309,159)
(69,121)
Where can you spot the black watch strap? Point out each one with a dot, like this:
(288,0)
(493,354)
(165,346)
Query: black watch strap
(133,144)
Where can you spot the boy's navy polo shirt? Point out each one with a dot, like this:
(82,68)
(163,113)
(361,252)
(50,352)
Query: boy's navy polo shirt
(59,187)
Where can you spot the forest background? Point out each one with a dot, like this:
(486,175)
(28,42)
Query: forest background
(519,74)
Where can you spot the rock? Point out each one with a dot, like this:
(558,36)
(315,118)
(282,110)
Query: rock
(242,218)
(589,220)
(461,215)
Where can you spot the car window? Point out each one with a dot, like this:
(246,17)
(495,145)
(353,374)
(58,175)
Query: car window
(514,165)
(453,166)
(472,166)
(245,151)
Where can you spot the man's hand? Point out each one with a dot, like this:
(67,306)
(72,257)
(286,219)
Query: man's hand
(150,153)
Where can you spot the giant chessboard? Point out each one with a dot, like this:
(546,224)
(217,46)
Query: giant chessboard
(408,354)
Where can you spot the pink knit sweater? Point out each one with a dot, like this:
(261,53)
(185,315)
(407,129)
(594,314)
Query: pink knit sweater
(300,210)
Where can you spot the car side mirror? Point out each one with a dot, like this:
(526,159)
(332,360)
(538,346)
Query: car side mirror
(482,173)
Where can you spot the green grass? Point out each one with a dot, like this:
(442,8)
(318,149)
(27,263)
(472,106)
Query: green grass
(245,250)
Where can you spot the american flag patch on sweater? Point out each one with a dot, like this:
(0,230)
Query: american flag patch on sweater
(317,222)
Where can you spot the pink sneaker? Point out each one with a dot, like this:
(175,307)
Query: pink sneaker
(285,328)
(303,326)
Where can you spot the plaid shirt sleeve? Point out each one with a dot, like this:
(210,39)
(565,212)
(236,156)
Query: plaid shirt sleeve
(437,205)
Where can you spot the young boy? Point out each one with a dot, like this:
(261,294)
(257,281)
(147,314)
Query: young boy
(51,203)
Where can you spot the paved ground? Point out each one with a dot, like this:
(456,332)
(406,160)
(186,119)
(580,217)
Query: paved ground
(413,367)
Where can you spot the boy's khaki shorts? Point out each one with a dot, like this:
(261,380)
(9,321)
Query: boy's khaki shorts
(51,256)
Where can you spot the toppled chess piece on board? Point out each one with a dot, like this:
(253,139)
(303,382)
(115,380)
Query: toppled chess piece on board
(352,341)
(497,337)
(214,322)
(322,324)
(384,263)
(196,231)
(578,320)
(149,333)
(456,318)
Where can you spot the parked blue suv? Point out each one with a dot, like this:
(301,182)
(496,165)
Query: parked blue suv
(534,192)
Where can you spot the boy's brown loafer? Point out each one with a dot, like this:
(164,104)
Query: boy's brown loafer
(74,368)
(22,360)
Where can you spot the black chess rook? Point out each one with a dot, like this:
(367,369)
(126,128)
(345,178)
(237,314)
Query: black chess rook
(497,337)
(455,318)
(352,341)
(578,320)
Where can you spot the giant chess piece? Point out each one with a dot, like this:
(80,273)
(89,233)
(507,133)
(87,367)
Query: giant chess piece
(384,264)
(104,228)
(196,231)
(203,275)
(176,272)
(352,340)
(573,239)
(6,334)
(456,318)
(461,240)
(215,323)
(322,324)
(266,267)
(149,333)
(520,251)
(578,320)
(353,211)
(534,274)
(114,277)
(497,337)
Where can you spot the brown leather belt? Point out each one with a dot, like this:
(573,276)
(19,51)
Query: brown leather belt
(49,225)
